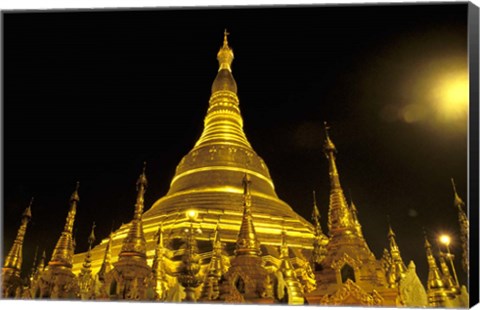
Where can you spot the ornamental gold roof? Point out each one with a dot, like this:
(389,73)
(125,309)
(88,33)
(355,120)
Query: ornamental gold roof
(208,179)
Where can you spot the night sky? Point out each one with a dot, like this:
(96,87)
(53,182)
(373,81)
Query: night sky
(89,96)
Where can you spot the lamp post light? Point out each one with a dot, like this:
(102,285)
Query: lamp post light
(445,239)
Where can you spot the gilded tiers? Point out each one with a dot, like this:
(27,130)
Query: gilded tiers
(63,252)
(13,261)
(207,178)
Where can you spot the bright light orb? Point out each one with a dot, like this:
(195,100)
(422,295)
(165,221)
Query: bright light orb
(192,214)
(452,96)
(445,239)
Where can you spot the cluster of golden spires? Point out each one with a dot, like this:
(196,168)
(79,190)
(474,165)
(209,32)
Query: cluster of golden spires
(213,238)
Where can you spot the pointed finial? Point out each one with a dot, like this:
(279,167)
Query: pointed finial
(326,127)
(41,264)
(225,54)
(427,243)
(142,179)
(75,196)
(225,41)
(315,212)
(453,185)
(91,238)
(390,230)
(457,200)
(28,211)
(247,242)
(352,206)
(329,146)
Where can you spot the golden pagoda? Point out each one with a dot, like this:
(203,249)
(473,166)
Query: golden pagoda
(349,273)
(246,279)
(86,280)
(12,283)
(321,241)
(207,181)
(437,293)
(131,277)
(58,281)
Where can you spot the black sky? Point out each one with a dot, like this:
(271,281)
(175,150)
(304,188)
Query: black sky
(90,95)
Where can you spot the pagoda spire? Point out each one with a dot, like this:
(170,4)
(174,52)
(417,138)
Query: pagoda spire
(41,264)
(85,279)
(292,290)
(320,241)
(354,211)
(63,252)
(14,259)
(397,261)
(224,123)
(131,277)
(158,267)
(11,280)
(316,216)
(134,244)
(464,227)
(434,277)
(340,217)
(211,288)
(447,276)
(225,54)
(91,240)
(247,242)
(33,270)
(435,287)
(106,264)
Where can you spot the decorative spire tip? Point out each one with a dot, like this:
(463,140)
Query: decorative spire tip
(225,40)
(327,127)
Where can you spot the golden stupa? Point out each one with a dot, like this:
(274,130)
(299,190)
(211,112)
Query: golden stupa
(209,180)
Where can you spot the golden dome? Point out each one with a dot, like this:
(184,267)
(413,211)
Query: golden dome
(209,180)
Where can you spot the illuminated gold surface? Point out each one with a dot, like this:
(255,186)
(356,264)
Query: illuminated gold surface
(208,180)
(58,281)
(63,252)
(397,267)
(437,294)
(131,277)
(11,280)
(366,282)
(134,243)
(321,241)
(86,280)
(247,280)
(247,242)
(221,234)
(291,290)
(219,264)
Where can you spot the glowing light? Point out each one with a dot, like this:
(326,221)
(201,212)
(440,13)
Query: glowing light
(192,214)
(435,93)
(445,239)
(452,96)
